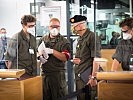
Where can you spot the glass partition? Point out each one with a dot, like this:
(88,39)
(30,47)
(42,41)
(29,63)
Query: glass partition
(11,13)
(103,19)
(109,14)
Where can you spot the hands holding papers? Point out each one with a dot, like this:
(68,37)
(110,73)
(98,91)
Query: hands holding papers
(43,55)
(49,51)
(43,52)
(42,59)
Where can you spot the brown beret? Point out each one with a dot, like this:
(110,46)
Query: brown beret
(77,18)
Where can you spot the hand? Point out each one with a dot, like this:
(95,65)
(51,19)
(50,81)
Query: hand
(42,59)
(41,50)
(44,54)
(92,82)
(76,60)
(8,64)
(49,51)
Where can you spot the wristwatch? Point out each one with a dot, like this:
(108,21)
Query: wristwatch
(93,77)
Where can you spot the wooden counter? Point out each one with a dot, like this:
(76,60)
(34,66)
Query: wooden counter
(115,85)
(118,75)
(11,73)
(28,89)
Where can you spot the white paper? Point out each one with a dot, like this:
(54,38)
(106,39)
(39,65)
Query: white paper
(41,50)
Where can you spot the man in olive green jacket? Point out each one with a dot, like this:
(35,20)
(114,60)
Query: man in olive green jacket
(86,51)
(53,70)
(21,51)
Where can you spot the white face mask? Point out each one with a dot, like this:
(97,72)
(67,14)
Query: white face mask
(31,30)
(127,36)
(54,32)
(2,35)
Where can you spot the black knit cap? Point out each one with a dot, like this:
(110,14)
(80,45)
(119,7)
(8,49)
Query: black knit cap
(77,18)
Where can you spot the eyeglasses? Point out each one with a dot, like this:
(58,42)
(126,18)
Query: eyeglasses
(31,26)
(124,31)
(54,26)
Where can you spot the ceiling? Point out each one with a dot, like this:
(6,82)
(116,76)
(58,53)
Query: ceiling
(123,2)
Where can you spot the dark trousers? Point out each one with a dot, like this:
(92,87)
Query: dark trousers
(90,92)
(54,85)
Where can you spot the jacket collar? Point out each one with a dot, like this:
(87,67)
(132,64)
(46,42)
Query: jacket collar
(23,34)
(84,35)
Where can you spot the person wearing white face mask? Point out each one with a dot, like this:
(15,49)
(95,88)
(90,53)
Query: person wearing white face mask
(21,52)
(53,68)
(3,33)
(124,49)
(3,46)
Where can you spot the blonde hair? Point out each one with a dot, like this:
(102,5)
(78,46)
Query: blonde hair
(54,19)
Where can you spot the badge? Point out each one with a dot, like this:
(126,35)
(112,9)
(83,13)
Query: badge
(31,51)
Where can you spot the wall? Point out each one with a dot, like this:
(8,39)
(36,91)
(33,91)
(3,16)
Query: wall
(11,13)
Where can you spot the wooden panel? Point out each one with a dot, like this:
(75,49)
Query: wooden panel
(107,53)
(115,91)
(28,89)
(10,90)
(33,88)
